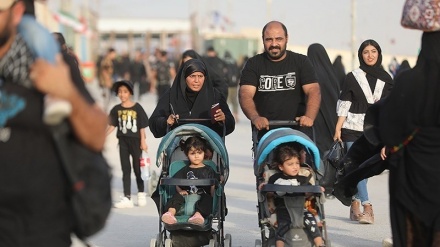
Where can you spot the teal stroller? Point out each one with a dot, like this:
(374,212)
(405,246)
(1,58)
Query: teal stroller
(171,158)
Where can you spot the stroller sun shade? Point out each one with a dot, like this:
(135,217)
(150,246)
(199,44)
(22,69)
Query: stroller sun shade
(275,137)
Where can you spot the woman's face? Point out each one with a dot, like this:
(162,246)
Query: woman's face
(370,55)
(195,81)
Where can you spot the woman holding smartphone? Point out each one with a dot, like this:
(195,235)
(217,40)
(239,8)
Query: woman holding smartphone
(192,96)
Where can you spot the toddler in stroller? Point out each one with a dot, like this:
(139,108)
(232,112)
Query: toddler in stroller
(192,211)
(290,207)
(194,148)
(288,162)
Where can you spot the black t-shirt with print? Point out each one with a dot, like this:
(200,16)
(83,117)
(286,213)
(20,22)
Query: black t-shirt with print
(199,173)
(129,120)
(279,93)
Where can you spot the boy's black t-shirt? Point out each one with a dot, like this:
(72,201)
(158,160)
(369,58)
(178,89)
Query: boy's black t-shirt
(279,201)
(279,84)
(129,120)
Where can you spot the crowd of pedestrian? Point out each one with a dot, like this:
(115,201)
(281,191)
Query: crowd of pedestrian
(277,84)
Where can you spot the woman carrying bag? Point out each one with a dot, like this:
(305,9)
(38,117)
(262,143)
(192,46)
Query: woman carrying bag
(362,88)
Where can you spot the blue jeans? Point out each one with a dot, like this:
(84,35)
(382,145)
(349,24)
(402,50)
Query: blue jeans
(39,40)
(362,193)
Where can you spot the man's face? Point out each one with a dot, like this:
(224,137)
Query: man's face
(275,41)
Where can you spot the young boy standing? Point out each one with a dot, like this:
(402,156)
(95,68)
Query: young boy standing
(130,120)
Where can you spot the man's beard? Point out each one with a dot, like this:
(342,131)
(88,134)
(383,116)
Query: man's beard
(273,56)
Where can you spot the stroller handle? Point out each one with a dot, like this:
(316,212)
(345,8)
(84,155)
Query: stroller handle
(283,123)
(315,189)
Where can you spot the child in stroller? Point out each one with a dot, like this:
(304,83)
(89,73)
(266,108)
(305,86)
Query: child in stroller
(195,149)
(288,162)
(268,163)
(184,231)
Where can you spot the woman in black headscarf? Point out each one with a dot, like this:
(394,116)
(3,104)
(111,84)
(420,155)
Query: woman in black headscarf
(362,88)
(191,97)
(218,81)
(339,69)
(410,128)
(325,121)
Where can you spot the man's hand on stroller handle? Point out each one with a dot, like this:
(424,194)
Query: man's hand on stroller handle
(260,122)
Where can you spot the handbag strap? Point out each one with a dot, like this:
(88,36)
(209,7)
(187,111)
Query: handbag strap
(405,142)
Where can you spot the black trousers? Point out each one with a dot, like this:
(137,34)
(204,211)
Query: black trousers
(130,147)
(203,206)
(284,221)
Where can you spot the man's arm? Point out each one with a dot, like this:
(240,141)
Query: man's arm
(313,94)
(246,99)
(89,121)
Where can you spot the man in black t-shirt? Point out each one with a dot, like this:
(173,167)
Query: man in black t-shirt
(279,84)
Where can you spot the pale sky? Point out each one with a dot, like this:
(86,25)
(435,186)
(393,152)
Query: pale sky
(323,21)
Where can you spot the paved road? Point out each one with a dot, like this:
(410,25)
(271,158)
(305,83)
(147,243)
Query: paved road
(135,227)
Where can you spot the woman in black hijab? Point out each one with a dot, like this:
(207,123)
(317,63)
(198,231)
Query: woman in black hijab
(410,129)
(339,69)
(218,81)
(191,97)
(362,87)
(325,121)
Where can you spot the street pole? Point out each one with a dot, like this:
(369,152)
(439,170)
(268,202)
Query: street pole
(353,33)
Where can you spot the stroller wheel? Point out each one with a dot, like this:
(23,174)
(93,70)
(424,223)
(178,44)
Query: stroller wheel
(258,243)
(228,240)
(168,243)
(213,243)
(153,243)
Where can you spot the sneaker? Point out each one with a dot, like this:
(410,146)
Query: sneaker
(387,242)
(142,199)
(125,202)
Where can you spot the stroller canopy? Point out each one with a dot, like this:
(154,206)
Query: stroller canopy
(171,140)
(275,137)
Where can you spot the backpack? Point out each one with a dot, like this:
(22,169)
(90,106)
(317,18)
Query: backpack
(89,176)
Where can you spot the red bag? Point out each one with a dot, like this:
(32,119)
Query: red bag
(422,15)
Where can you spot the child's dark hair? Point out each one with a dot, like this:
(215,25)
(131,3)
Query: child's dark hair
(195,142)
(283,153)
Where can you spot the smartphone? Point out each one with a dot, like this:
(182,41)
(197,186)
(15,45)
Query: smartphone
(174,113)
(214,108)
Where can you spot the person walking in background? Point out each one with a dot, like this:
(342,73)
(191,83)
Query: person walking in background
(233,79)
(163,74)
(138,75)
(329,85)
(218,66)
(362,87)
(275,84)
(105,75)
(339,68)
(35,209)
(130,120)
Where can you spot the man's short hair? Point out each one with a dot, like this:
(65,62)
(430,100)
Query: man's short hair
(282,25)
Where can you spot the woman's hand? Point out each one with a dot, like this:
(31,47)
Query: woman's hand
(337,135)
(219,116)
(144,146)
(383,153)
(172,119)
